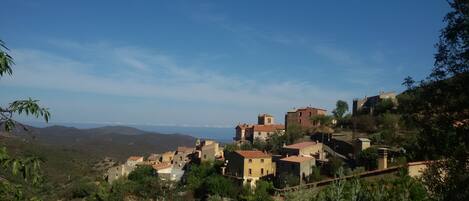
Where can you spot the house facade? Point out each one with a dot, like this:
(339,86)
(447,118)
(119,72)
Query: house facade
(299,166)
(308,149)
(249,166)
(303,117)
(207,150)
(182,156)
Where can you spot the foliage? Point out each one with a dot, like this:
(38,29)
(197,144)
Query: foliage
(325,123)
(286,179)
(245,146)
(384,106)
(28,168)
(221,186)
(341,107)
(142,172)
(402,188)
(142,184)
(368,158)
(315,175)
(230,148)
(365,123)
(260,193)
(438,108)
(293,133)
(332,167)
(203,180)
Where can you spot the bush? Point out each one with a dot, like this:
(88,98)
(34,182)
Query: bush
(219,185)
(286,179)
(261,192)
(368,158)
(315,175)
(334,164)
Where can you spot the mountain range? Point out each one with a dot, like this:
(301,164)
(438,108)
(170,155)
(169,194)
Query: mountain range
(117,142)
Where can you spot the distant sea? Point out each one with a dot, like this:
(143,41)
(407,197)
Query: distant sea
(221,134)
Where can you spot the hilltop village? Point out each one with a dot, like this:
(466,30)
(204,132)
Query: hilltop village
(310,147)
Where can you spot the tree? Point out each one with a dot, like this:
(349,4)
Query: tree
(260,193)
(368,158)
(293,133)
(334,165)
(340,108)
(219,185)
(384,106)
(439,107)
(28,168)
(323,122)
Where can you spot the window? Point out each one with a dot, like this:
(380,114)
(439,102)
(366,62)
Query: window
(299,120)
(269,120)
(262,171)
(205,156)
(250,171)
(250,161)
(259,133)
(310,114)
(262,160)
(300,114)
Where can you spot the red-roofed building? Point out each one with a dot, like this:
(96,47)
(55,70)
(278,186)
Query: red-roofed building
(264,128)
(249,166)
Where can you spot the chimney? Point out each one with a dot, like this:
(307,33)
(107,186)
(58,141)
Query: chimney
(382,158)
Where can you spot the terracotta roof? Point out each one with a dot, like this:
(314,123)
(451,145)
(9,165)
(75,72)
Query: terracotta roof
(253,154)
(268,128)
(161,166)
(135,158)
(300,145)
(296,159)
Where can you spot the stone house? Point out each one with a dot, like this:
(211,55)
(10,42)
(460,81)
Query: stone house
(182,156)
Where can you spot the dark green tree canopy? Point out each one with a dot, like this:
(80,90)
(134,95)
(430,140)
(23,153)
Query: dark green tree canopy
(341,109)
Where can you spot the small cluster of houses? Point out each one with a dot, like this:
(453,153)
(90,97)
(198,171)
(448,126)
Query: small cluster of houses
(169,165)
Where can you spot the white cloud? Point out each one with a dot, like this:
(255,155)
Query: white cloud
(139,72)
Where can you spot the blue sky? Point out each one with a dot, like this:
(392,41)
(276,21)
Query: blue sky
(211,63)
